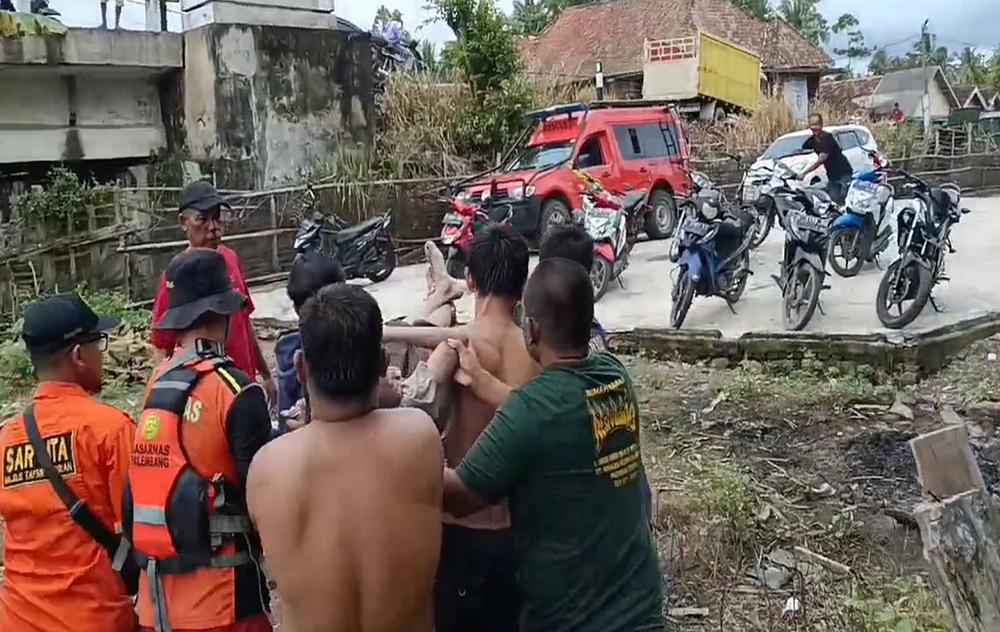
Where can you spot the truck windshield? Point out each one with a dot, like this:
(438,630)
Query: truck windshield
(785,146)
(541,156)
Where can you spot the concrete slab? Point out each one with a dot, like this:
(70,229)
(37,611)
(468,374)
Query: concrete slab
(645,299)
(97,47)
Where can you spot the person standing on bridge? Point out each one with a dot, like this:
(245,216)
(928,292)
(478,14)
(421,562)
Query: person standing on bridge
(119,5)
(201,208)
(58,569)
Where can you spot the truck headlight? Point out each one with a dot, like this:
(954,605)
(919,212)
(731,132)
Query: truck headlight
(519,193)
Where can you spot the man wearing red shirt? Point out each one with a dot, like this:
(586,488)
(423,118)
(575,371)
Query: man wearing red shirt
(201,206)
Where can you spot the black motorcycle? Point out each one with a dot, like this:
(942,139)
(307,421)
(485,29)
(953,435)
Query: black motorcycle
(803,273)
(712,253)
(365,250)
(923,230)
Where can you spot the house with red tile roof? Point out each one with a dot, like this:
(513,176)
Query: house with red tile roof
(614,32)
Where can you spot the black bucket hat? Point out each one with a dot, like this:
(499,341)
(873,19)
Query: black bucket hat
(198,283)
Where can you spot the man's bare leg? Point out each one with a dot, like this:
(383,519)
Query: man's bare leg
(442,290)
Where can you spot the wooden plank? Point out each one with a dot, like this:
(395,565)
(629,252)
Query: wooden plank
(945,464)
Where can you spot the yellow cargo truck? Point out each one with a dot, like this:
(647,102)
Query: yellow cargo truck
(705,75)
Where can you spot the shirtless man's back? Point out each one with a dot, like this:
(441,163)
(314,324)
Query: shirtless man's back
(476,588)
(349,507)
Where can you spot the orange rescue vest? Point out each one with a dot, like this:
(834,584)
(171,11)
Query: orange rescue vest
(179,521)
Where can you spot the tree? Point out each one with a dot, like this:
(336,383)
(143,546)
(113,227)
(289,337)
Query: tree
(805,17)
(485,55)
(925,52)
(760,9)
(530,17)
(384,16)
(970,68)
(856,47)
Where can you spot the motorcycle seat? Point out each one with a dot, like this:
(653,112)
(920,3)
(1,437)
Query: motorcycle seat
(632,199)
(352,232)
(818,192)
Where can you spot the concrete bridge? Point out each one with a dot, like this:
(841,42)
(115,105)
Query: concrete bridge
(256,91)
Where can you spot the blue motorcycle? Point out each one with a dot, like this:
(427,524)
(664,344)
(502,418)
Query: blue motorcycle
(712,254)
(863,231)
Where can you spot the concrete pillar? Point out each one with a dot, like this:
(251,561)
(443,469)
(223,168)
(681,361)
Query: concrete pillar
(311,14)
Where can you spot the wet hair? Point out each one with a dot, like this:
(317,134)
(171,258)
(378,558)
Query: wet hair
(341,332)
(311,271)
(816,116)
(560,298)
(497,260)
(569,241)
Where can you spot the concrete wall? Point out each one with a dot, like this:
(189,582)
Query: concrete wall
(49,116)
(265,104)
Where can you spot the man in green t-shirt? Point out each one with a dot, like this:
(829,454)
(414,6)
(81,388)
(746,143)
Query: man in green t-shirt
(564,449)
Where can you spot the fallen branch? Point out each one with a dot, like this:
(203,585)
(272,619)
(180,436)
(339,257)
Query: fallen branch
(822,560)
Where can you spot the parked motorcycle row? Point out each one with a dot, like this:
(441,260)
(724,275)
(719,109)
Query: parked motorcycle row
(713,240)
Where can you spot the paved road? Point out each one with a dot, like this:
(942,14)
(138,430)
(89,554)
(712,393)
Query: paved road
(849,303)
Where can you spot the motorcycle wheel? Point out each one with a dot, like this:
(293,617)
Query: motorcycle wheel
(849,240)
(386,251)
(683,295)
(734,294)
(454,266)
(762,224)
(801,296)
(899,284)
(600,276)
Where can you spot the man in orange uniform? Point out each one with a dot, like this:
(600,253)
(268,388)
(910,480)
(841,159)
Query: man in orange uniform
(185,509)
(57,577)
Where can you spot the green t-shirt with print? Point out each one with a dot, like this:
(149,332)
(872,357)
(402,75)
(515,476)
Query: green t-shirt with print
(564,450)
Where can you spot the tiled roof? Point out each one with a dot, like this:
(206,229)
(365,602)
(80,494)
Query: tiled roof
(846,93)
(613,31)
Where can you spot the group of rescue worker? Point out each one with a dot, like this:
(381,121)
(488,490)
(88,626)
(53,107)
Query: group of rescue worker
(159,524)
(162,540)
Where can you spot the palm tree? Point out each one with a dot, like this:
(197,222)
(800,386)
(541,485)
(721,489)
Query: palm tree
(970,68)
(530,17)
(805,17)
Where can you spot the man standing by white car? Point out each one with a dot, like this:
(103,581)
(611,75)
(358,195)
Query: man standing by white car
(829,155)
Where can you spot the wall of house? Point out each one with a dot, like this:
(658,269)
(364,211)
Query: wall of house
(265,104)
(939,104)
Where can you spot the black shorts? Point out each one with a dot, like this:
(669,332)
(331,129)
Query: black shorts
(476,585)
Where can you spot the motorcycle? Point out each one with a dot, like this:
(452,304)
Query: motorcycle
(863,231)
(458,226)
(712,254)
(923,234)
(613,223)
(365,250)
(803,273)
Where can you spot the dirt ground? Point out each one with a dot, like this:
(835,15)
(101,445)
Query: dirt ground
(753,461)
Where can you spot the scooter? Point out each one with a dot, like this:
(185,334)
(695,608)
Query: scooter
(613,223)
(863,231)
(365,250)
(458,226)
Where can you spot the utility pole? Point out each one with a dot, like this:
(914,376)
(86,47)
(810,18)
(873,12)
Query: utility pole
(599,81)
(925,100)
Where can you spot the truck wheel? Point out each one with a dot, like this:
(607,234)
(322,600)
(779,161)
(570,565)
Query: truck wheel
(554,213)
(662,215)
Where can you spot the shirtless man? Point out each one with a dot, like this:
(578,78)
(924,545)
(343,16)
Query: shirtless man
(476,589)
(349,507)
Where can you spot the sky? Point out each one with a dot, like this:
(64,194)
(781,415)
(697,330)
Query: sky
(891,23)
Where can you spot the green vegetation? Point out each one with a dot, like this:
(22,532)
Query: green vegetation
(64,198)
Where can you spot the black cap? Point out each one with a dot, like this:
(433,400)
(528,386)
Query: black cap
(201,196)
(198,283)
(61,321)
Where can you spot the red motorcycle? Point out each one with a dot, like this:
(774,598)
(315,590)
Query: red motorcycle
(457,228)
